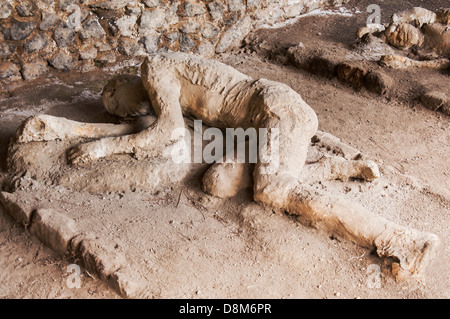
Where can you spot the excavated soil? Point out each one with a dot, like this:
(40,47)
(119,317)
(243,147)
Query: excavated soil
(181,243)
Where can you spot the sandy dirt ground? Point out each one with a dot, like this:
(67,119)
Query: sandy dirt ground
(202,247)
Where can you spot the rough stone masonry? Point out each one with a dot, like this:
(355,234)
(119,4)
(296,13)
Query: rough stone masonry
(80,35)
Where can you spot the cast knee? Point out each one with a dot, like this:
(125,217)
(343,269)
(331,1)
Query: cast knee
(273,189)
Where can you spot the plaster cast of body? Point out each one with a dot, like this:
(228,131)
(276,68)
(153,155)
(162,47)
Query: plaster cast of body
(425,32)
(182,84)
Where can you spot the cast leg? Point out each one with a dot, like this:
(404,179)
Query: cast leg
(48,128)
(335,167)
(411,249)
(281,189)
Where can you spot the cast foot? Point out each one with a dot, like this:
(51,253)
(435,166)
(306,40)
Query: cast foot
(411,249)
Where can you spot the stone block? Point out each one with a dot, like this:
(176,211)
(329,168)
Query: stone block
(216,10)
(433,100)
(63,36)
(100,257)
(63,61)
(129,285)
(21,30)
(34,70)
(54,229)
(111,4)
(5,9)
(234,34)
(126,25)
(235,5)
(89,53)
(151,42)
(9,70)
(18,207)
(91,28)
(48,20)
(25,8)
(37,43)
(151,20)
(193,9)
(378,82)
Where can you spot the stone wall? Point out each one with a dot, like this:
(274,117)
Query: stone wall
(80,35)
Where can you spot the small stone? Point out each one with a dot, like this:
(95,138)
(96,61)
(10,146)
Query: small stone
(172,37)
(63,36)
(209,30)
(126,25)
(6,31)
(86,66)
(130,47)
(215,10)
(235,5)
(5,9)
(378,82)
(63,61)
(193,9)
(433,100)
(151,3)
(171,13)
(53,229)
(190,27)
(129,286)
(91,28)
(25,8)
(88,53)
(48,20)
(108,15)
(106,57)
(64,4)
(151,20)
(21,30)
(252,3)
(15,205)
(37,43)
(9,70)
(151,43)
(100,257)
(43,3)
(33,70)
(6,49)
(133,11)
(111,4)
(186,43)
(337,294)
(234,34)
(102,47)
